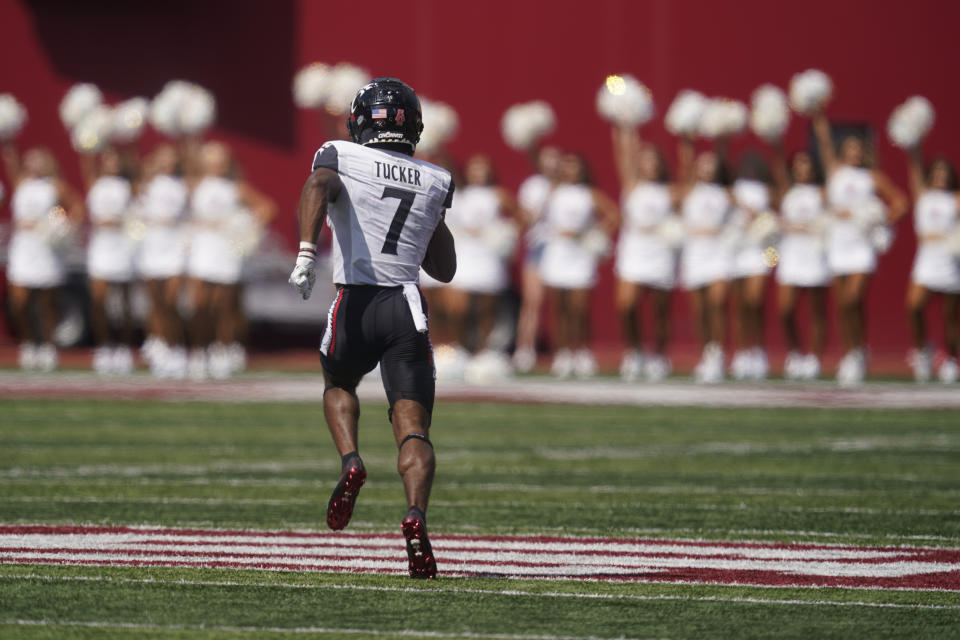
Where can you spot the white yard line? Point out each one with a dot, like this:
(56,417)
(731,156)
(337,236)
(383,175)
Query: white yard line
(486,592)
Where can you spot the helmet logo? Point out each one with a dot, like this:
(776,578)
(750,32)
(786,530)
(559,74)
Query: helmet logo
(400,118)
(378,114)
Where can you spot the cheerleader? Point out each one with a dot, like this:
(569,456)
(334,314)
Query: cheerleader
(45,209)
(802,265)
(707,256)
(936,267)
(579,220)
(852,186)
(532,197)
(162,206)
(218,205)
(749,270)
(110,258)
(484,245)
(645,263)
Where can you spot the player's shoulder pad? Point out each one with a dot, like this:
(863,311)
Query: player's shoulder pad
(448,199)
(326,157)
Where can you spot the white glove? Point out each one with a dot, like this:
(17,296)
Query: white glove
(303,276)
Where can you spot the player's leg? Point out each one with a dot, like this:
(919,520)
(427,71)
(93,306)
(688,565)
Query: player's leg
(532,295)
(341,409)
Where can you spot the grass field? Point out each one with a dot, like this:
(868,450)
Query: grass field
(860,478)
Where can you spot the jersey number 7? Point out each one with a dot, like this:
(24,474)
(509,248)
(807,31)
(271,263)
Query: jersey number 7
(399,219)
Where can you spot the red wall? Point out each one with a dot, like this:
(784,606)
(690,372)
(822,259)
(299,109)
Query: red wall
(482,57)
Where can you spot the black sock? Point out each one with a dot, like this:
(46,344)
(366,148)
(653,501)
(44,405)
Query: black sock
(347,458)
(417,513)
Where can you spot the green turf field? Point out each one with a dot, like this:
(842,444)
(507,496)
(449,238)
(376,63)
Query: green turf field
(836,476)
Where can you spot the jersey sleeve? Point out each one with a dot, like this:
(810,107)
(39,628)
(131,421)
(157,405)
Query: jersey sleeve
(326,158)
(448,200)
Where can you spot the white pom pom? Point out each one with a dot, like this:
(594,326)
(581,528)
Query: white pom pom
(625,101)
(198,110)
(440,123)
(12,117)
(450,362)
(723,117)
(882,237)
(80,100)
(810,90)
(764,229)
(55,229)
(524,124)
(769,112)
(94,131)
(910,122)
(501,237)
(671,231)
(870,213)
(683,117)
(165,107)
(597,242)
(312,85)
(488,367)
(129,118)
(347,80)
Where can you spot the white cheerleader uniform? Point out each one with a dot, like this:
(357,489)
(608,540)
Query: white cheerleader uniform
(935,267)
(479,268)
(705,258)
(567,263)
(32,262)
(110,252)
(749,259)
(532,196)
(642,256)
(163,205)
(849,250)
(213,256)
(803,261)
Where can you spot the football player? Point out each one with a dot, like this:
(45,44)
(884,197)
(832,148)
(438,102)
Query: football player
(386,211)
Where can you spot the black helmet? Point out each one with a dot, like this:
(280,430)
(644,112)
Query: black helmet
(386,111)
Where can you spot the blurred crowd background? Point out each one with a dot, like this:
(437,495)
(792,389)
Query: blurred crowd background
(479,60)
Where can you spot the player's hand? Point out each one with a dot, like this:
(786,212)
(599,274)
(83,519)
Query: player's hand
(302,277)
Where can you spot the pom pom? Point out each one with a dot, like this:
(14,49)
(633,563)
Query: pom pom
(55,229)
(93,132)
(450,362)
(129,118)
(244,231)
(597,242)
(198,111)
(910,122)
(488,367)
(12,117)
(311,86)
(501,237)
(440,123)
(683,117)
(722,117)
(882,237)
(347,80)
(624,101)
(80,100)
(769,112)
(183,108)
(870,213)
(524,124)
(810,90)
(671,232)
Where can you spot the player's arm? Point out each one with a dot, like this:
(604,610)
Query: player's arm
(440,261)
(321,188)
(821,130)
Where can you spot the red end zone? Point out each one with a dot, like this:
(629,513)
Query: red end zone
(530,557)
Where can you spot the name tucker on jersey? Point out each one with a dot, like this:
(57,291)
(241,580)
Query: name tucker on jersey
(397,173)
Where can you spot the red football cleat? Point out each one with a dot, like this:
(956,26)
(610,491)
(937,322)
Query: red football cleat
(419,552)
(344,496)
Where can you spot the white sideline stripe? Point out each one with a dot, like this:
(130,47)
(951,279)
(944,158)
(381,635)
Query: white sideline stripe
(564,566)
(487,592)
(412,633)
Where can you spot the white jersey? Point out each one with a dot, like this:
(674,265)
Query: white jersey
(803,261)
(567,263)
(164,201)
(935,217)
(643,257)
(385,215)
(848,248)
(751,198)
(162,207)
(532,196)
(108,200)
(31,261)
(33,199)
(706,257)
(214,257)
(110,252)
(480,268)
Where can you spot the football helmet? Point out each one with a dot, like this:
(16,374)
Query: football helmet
(385,111)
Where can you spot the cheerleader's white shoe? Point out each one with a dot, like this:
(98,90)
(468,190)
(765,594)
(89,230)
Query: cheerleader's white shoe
(121,361)
(852,369)
(759,364)
(197,365)
(740,365)
(584,365)
(632,365)
(921,362)
(238,357)
(27,358)
(103,361)
(47,358)
(810,367)
(656,368)
(793,366)
(219,364)
(562,365)
(948,372)
(710,368)
(524,360)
